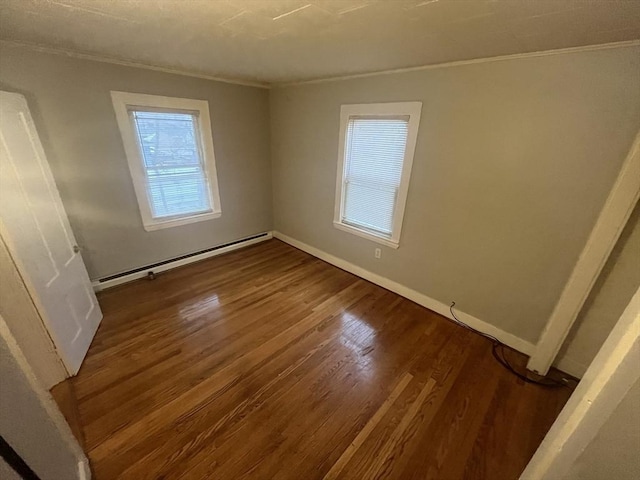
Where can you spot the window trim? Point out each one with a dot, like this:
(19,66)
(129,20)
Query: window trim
(410,109)
(122,103)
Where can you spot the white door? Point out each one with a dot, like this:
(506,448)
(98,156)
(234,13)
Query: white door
(36,229)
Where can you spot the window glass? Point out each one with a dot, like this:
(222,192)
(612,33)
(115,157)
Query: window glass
(175,174)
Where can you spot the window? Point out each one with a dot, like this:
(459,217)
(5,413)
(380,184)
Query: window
(377,142)
(169,148)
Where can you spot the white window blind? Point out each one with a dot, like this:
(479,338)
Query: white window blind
(374,155)
(176,179)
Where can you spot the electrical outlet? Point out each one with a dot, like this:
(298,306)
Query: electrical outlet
(377,253)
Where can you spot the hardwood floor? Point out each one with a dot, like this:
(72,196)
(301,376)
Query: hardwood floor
(267,363)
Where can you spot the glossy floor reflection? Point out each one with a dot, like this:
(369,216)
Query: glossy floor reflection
(268,363)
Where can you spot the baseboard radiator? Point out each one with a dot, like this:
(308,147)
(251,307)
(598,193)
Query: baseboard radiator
(140,272)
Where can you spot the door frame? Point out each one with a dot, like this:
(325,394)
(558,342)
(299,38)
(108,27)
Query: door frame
(611,221)
(46,401)
(607,380)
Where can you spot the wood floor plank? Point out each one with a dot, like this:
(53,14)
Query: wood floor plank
(364,433)
(463,348)
(377,468)
(321,352)
(207,390)
(267,363)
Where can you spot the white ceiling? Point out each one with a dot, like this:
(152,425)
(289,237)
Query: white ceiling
(274,41)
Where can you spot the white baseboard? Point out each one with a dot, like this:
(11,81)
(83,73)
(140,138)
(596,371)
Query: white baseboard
(97,285)
(509,339)
(570,366)
(84,472)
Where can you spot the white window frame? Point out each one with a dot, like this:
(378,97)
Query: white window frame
(410,109)
(123,102)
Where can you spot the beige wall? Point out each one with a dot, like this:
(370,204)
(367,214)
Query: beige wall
(27,420)
(6,472)
(619,280)
(513,163)
(71,105)
(615,451)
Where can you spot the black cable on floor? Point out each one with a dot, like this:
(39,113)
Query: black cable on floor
(498,351)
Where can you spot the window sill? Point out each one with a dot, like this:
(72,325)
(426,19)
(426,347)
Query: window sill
(364,234)
(176,222)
